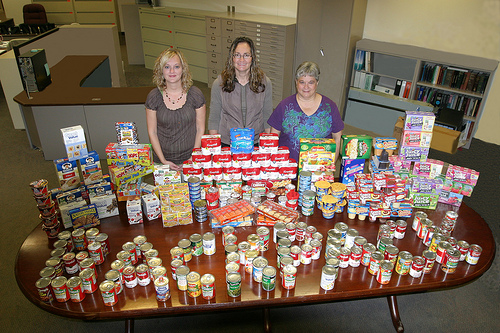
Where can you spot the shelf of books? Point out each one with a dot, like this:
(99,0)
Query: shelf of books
(443,79)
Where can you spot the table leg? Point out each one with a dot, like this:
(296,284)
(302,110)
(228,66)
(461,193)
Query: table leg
(267,323)
(393,307)
(129,325)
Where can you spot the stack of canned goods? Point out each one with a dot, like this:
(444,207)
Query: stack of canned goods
(200,210)
(194,187)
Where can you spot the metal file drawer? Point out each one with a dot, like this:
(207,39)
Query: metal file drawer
(195,42)
(214,60)
(214,43)
(190,24)
(163,20)
(213,26)
(158,35)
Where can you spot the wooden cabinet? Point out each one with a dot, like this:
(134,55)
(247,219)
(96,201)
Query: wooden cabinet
(414,74)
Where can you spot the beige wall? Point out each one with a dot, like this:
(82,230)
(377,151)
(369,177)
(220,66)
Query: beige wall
(469,27)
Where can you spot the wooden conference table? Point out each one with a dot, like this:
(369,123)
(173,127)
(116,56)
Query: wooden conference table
(352,283)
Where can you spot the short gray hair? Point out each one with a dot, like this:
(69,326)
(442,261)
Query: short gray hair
(307,68)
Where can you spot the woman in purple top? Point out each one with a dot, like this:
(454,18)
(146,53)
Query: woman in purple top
(306,114)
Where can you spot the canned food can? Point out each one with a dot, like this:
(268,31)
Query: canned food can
(442,247)
(258,266)
(355,256)
(278,226)
(316,249)
(66,235)
(306,254)
(119,266)
(177,253)
(385,272)
(145,248)
(403,262)
(430,259)
(400,229)
(130,276)
(246,192)
(344,256)
(227,230)
(44,291)
(375,259)
(193,284)
(90,234)
(181,274)
(95,252)
(349,238)
(451,263)
(292,229)
(233,257)
(417,267)
(176,263)
(368,249)
(156,272)
(230,248)
(233,284)
(289,277)
(61,293)
(422,230)
(70,263)
(419,215)
(383,242)
(48,272)
(185,245)
(268,278)
(57,264)
(162,288)
(75,289)
(254,242)
(196,244)
(209,243)
(108,293)
(114,276)
(342,228)
(130,248)
(232,267)
(473,254)
(250,255)
(263,234)
(391,253)
(310,230)
(429,235)
(103,238)
(284,242)
(463,247)
(143,276)
(295,254)
(79,240)
(334,234)
(139,241)
(60,244)
(87,263)
(80,256)
(231,240)
(359,241)
(89,280)
(332,261)
(153,263)
(436,239)
(451,215)
(207,286)
(243,247)
(300,231)
(328,275)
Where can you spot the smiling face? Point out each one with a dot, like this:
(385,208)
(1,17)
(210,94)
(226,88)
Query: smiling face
(172,71)
(242,64)
(306,86)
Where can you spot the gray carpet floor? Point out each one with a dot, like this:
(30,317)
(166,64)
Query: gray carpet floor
(470,308)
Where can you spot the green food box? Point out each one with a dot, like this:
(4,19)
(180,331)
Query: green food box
(356,146)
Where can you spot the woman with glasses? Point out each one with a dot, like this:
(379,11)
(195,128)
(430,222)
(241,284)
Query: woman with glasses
(241,96)
(306,114)
(175,111)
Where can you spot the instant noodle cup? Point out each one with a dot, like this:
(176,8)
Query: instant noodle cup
(44,199)
(51,231)
(47,210)
(39,187)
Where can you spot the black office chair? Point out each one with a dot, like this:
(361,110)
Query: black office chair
(34,13)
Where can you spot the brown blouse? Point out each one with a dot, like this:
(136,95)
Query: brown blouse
(176,128)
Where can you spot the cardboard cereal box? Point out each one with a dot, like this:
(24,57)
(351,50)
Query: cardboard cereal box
(91,168)
(67,173)
(74,141)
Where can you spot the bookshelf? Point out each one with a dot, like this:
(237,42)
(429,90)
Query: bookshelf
(441,79)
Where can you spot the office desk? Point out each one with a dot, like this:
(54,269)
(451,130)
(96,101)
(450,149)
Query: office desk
(81,94)
(352,282)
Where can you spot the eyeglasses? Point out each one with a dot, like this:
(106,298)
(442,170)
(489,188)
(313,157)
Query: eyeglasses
(244,56)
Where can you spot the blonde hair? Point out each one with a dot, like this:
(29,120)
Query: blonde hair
(160,62)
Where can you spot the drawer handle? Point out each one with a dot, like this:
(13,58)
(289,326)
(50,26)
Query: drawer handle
(211,27)
(213,44)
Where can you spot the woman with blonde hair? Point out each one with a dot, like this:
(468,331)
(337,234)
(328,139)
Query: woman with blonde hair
(175,111)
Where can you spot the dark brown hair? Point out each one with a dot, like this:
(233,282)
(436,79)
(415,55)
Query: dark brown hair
(256,80)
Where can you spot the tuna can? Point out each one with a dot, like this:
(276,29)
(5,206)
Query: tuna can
(278,226)
(289,277)
(196,244)
(139,241)
(79,240)
(442,247)
(193,284)
(473,254)
(70,263)
(157,272)
(108,293)
(258,265)
(385,272)
(75,289)
(95,252)
(181,274)
(200,210)
(209,243)
(391,253)
(130,276)
(263,233)
(375,260)
(207,286)
(243,247)
(451,263)
(316,249)
(103,238)
(143,276)
(162,288)
(349,238)
(463,247)
(400,229)
(89,280)
(344,256)
(91,234)
(306,254)
(176,263)
(417,218)
(295,254)
(417,267)
(430,259)
(114,276)
(250,255)
(61,293)
(130,248)
(268,278)
(403,262)
(254,242)
(300,231)
(185,245)
(57,264)
(292,229)
(328,275)
(177,253)
(44,291)
(227,230)
(368,249)
(355,257)
(233,281)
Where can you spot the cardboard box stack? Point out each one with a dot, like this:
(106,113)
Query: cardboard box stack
(356,149)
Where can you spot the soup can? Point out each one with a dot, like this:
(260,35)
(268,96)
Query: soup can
(306,254)
(385,272)
(95,252)
(463,247)
(89,280)
(66,235)
(156,272)
(130,276)
(403,262)
(258,266)
(91,234)
(125,257)
(61,293)
(103,238)
(193,284)
(114,275)
(263,233)
(344,256)
(139,241)
(209,243)
(87,263)
(196,244)
(268,278)
(451,262)
(295,253)
(130,248)
(328,274)
(79,240)
(473,254)
(162,288)
(355,256)
(57,264)
(417,267)
(391,253)
(368,249)
(75,289)
(400,229)
(243,247)
(70,263)
(143,276)
(419,215)
(207,286)
(177,253)
(249,257)
(233,284)
(44,291)
(176,263)
(375,259)
(186,246)
(300,231)
(429,258)
(289,277)
(181,274)
(108,293)
(254,241)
